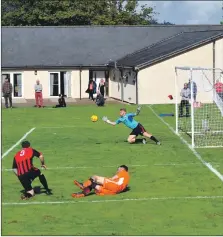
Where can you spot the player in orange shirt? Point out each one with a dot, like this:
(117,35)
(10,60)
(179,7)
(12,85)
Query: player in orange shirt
(104,186)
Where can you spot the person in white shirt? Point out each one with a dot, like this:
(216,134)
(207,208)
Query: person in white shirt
(38,94)
(186,95)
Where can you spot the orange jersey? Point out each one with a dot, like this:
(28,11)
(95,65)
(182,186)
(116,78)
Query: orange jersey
(115,185)
(122,179)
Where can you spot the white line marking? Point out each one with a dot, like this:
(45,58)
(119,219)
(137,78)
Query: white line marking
(17,143)
(112,166)
(208,165)
(60,127)
(111,200)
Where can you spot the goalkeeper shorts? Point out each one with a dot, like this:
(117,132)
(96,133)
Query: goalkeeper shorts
(139,130)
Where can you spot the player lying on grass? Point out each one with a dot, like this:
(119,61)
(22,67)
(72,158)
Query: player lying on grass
(104,186)
(137,128)
(26,172)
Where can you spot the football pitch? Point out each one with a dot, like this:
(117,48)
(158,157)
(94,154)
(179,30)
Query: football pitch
(171,191)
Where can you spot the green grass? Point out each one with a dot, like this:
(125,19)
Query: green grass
(99,147)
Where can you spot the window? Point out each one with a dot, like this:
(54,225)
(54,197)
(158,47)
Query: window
(15,79)
(17,85)
(60,83)
(54,84)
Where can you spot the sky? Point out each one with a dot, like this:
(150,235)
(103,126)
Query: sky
(187,12)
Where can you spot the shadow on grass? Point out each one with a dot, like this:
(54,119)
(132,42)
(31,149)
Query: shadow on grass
(37,190)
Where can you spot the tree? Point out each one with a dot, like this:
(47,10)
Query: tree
(75,12)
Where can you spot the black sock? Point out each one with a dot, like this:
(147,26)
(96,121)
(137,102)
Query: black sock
(43,181)
(154,139)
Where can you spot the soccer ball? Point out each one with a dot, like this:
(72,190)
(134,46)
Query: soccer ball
(94,118)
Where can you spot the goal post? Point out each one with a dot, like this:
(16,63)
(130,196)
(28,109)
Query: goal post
(199,105)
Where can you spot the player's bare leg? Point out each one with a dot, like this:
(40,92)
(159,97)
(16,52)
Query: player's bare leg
(88,185)
(131,139)
(150,136)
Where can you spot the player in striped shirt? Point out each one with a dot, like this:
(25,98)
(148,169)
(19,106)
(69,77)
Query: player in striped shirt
(26,172)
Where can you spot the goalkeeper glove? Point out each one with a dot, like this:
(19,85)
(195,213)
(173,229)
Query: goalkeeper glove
(138,110)
(105,119)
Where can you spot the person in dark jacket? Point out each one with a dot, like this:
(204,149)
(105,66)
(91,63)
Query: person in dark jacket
(7,92)
(61,102)
(101,87)
(90,89)
(100,101)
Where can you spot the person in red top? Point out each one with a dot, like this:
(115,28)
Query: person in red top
(219,88)
(26,172)
(105,186)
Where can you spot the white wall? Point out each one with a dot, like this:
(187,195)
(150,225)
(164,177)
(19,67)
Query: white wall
(155,83)
(129,87)
(84,84)
(115,84)
(219,54)
(127,84)
(76,83)
(29,80)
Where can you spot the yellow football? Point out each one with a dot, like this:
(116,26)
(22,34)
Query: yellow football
(94,118)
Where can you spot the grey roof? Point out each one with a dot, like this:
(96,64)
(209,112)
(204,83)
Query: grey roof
(169,47)
(84,45)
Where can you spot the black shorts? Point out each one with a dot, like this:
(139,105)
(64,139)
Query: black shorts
(139,130)
(27,178)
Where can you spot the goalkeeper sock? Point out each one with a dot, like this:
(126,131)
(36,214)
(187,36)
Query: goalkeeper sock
(154,139)
(43,181)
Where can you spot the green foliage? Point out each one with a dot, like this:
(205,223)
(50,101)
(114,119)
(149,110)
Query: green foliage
(78,12)
(221,22)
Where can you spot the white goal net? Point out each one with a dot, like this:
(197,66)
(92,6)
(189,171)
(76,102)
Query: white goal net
(199,105)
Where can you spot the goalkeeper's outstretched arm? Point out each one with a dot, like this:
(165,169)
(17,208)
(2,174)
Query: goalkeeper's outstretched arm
(105,119)
(138,110)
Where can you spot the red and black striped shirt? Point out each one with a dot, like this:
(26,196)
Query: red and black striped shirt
(23,160)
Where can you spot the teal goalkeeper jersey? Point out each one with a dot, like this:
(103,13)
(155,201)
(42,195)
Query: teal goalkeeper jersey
(128,120)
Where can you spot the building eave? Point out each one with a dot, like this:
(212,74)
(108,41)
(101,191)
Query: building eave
(178,52)
(54,67)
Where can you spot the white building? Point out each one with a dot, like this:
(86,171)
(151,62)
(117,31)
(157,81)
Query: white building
(65,58)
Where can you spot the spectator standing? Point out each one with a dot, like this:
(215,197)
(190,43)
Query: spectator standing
(101,87)
(186,95)
(194,89)
(38,94)
(219,88)
(94,87)
(91,89)
(7,92)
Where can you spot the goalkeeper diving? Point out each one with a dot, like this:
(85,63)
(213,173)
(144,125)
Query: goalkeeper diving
(137,128)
